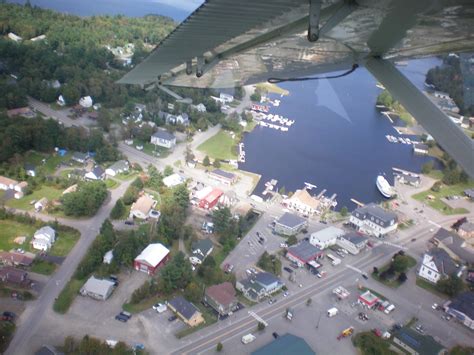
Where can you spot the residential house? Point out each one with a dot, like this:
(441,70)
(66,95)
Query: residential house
(415,343)
(462,307)
(301,201)
(22,111)
(44,238)
(469,193)
(466,230)
(354,243)
(86,102)
(420,148)
(303,252)
(15,276)
(108,257)
(374,220)
(97,173)
(143,207)
(30,169)
(14,37)
(437,264)
(163,138)
(454,245)
(183,118)
(225,98)
(325,237)
(98,289)
(211,199)
(222,298)
(284,345)
(118,167)
(173,180)
(80,157)
(77,174)
(408,179)
(185,310)
(20,189)
(222,176)
(200,107)
(200,250)
(7,183)
(41,204)
(15,259)
(151,258)
(38,38)
(290,224)
(258,286)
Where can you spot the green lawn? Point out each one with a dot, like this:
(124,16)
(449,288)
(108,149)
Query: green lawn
(152,149)
(428,286)
(220,146)
(67,296)
(9,230)
(126,176)
(64,243)
(111,183)
(445,190)
(394,283)
(51,163)
(49,192)
(43,267)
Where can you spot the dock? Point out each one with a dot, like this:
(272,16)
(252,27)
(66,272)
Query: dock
(360,204)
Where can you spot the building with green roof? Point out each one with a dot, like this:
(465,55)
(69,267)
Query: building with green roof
(284,345)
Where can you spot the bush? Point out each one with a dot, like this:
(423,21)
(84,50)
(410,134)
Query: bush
(119,210)
(219,347)
(260,326)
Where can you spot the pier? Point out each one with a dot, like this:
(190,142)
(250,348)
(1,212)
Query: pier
(358,203)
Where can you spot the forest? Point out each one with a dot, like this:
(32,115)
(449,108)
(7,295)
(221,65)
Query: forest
(74,52)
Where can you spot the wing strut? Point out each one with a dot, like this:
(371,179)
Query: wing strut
(449,136)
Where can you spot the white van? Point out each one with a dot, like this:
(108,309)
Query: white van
(248,338)
(332,312)
(389,309)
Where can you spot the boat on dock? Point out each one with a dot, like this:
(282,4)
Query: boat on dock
(384,187)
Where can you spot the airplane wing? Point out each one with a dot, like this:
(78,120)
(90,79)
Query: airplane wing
(237,42)
(228,43)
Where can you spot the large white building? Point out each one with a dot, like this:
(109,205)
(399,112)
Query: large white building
(374,220)
(163,139)
(325,237)
(301,201)
(44,238)
(437,264)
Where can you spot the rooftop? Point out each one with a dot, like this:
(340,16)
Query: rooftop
(422,344)
(153,254)
(464,303)
(327,233)
(354,238)
(467,227)
(162,134)
(455,244)
(304,250)
(223,293)
(443,261)
(204,245)
(284,345)
(224,174)
(304,197)
(266,278)
(98,286)
(144,204)
(183,307)
(373,210)
(291,220)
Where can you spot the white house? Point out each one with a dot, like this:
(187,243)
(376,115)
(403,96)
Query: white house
(325,237)
(374,220)
(183,119)
(108,257)
(44,238)
(301,201)
(173,180)
(118,167)
(226,97)
(200,107)
(201,249)
(353,242)
(163,138)
(41,204)
(142,207)
(95,174)
(60,101)
(86,101)
(20,189)
(437,264)
(7,183)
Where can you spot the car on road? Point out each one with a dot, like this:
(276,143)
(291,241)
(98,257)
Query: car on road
(365,276)
(283,245)
(435,306)
(275,335)
(172,318)
(420,329)
(285,294)
(123,316)
(287,269)
(130,223)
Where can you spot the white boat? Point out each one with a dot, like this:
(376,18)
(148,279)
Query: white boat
(384,187)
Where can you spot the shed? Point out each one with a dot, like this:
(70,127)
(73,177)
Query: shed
(97,288)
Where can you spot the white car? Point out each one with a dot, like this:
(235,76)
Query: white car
(139,147)
(285,294)
(283,245)
(434,306)
(160,307)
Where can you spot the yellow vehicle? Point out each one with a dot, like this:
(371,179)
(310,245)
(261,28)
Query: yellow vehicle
(346,333)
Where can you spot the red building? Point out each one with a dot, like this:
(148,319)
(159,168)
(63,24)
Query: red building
(368,298)
(151,258)
(211,199)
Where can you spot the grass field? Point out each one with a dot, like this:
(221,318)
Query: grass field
(67,296)
(394,283)
(9,230)
(64,243)
(51,163)
(111,183)
(219,146)
(24,203)
(43,267)
(273,88)
(438,204)
(151,149)
(126,176)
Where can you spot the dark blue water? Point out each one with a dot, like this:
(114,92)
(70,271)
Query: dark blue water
(176,9)
(338,140)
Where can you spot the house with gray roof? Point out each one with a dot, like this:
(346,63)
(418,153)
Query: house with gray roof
(222,176)
(259,285)
(200,250)
(353,242)
(374,220)
(462,307)
(469,193)
(97,173)
(44,238)
(98,289)
(437,264)
(466,230)
(454,245)
(415,343)
(290,224)
(303,252)
(80,157)
(185,310)
(118,167)
(163,138)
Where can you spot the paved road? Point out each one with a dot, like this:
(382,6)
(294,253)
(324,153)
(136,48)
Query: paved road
(31,320)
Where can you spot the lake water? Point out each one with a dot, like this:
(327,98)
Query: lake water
(338,140)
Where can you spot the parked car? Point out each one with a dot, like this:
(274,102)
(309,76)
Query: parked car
(160,307)
(8,316)
(130,223)
(275,335)
(283,245)
(172,318)
(434,306)
(123,316)
(114,279)
(365,276)
(287,269)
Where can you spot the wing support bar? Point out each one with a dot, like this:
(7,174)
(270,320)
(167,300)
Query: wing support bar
(448,135)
